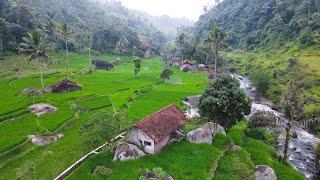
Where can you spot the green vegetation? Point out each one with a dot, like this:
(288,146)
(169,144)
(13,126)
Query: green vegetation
(262,153)
(235,165)
(224,102)
(120,90)
(103,27)
(181,160)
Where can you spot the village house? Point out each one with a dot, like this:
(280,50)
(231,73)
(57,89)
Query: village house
(156,130)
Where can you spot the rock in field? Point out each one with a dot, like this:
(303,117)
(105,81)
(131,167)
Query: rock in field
(42,108)
(205,133)
(43,140)
(263,172)
(126,151)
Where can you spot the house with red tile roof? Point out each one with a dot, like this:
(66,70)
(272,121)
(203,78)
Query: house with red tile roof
(155,131)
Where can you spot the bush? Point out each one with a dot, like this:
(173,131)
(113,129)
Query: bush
(27,171)
(261,80)
(292,62)
(263,119)
(307,37)
(102,171)
(260,134)
(157,174)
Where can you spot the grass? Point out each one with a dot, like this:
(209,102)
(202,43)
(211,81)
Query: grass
(262,153)
(181,160)
(101,89)
(235,165)
(93,102)
(184,160)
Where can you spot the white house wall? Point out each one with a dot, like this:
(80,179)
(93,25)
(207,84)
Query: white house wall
(161,144)
(136,135)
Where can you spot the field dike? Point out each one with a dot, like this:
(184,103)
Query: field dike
(26,145)
(137,93)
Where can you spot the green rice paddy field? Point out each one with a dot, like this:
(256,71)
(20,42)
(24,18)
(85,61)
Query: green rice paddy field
(112,90)
(118,90)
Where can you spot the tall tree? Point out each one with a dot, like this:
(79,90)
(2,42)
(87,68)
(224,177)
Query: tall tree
(216,37)
(293,109)
(3,32)
(224,102)
(65,32)
(166,73)
(34,47)
(180,42)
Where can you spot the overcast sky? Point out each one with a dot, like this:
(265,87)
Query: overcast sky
(190,9)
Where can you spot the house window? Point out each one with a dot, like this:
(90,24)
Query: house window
(147,143)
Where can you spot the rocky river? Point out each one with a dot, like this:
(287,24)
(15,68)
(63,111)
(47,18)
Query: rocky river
(301,146)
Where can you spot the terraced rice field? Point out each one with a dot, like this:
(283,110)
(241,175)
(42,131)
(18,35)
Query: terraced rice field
(136,96)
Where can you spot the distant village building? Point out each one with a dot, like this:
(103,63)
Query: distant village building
(100,64)
(156,130)
(193,110)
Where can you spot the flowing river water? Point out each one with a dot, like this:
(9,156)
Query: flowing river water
(301,147)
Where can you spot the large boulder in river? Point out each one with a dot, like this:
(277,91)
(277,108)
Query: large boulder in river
(263,172)
(205,133)
(65,86)
(126,151)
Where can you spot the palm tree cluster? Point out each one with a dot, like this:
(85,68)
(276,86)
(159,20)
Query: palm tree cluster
(33,46)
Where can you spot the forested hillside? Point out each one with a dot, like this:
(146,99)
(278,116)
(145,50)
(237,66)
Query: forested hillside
(106,27)
(271,41)
(263,23)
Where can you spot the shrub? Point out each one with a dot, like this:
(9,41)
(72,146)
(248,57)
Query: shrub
(307,37)
(157,174)
(26,171)
(292,62)
(263,119)
(261,80)
(102,171)
(260,134)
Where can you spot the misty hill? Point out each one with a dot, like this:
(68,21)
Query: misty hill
(169,24)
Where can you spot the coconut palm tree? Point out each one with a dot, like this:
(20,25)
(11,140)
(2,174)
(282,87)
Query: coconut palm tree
(65,32)
(34,47)
(216,37)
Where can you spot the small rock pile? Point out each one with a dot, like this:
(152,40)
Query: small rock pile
(263,172)
(126,151)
